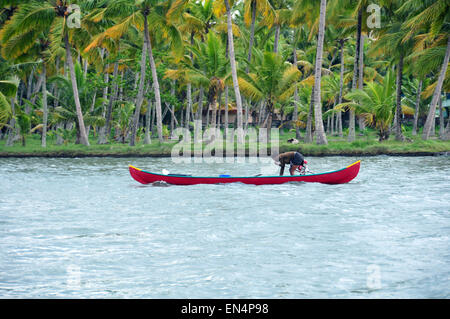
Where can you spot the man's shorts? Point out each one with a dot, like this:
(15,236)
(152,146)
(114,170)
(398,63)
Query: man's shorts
(298,159)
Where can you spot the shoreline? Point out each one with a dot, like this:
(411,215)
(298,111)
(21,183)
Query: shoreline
(362,147)
(71,154)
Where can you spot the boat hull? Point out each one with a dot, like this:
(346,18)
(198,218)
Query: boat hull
(341,176)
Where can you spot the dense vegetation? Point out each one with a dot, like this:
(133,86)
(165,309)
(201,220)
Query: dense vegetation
(105,71)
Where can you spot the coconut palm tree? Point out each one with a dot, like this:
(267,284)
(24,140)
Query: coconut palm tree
(270,79)
(316,92)
(37,52)
(66,111)
(433,16)
(221,8)
(330,94)
(390,42)
(320,132)
(301,19)
(341,82)
(49,17)
(198,18)
(210,70)
(24,123)
(8,90)
(124,113)
(5,110)
(436,94)
(350,15)
(376,102)
(153,17)
(251,9)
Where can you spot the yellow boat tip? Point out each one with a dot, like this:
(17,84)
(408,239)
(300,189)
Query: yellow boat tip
(134,167)
(354,163)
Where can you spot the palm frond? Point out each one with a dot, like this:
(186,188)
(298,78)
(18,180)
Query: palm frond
(5,110)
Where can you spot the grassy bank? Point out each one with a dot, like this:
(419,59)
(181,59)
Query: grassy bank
(366,145)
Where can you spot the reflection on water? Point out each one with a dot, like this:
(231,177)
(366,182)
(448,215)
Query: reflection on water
(84,228)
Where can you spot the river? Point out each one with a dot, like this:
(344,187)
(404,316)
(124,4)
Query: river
(83,228)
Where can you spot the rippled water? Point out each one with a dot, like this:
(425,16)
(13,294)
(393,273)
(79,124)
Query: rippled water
(83,228)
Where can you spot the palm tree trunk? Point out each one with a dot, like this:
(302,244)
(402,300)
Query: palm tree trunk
(29,91)
(83,138)
(189,104)
(172,119)
(246,115)
(147,138)
(135,85)
(261,113)
(102,132)
(295,115)
(351,125)
(121,86)
(269,119)
(44,106)
(441,120)
(91,110)
(321,138)
(102,53)
(277,38)
(85,67)
(433,127)
(34,96)
(361,123)
(112,98)
(416,112)
(252,35)
(336,124)
(199,114)
(30,84)
(341,87)
(296,100)
(332,129)
(219,112)
(155,82)
(14,129)
(140,95)
(446,136)
(436,94)
(189,89)
(207,116)
(226,112)
(152,125)
(240,137)
(171,108)
(328,128)
(398,127)
(213,106)
(308,133)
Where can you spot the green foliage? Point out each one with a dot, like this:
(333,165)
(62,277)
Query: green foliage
(24,123)
(123,114)
(270,79)
(166,131)
(376,102)
(5,111)
(189,45)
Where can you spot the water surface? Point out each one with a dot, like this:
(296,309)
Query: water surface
(83,228)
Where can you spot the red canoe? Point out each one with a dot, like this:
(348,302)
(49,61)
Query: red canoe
(341,176)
